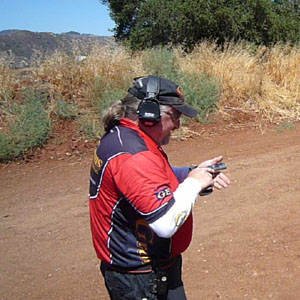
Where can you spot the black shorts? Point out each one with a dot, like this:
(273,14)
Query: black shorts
(158,284)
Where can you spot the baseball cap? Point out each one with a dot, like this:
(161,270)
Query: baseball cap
(168,93)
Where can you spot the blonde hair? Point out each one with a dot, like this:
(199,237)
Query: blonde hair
(125,108)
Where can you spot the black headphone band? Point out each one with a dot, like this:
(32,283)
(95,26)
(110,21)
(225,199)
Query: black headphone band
(153,86)
(136,93)
(149,108)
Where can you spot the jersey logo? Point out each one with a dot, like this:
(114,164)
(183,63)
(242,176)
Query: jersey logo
(145,237)
(180,218)
(162,194)
(179,93)
(97,163)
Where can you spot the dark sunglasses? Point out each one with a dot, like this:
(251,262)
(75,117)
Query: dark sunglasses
(174,116)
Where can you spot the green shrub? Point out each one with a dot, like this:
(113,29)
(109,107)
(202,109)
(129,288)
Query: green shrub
(199,90)
(6,147)
(64,110)
(108,97)
(29,127)
(161,62)
(104,93)
(90,127)
(285,125)
(202,92)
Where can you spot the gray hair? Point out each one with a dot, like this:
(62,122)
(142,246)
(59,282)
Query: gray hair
(125,108)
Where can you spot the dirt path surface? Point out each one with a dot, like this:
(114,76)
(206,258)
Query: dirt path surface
(246,242)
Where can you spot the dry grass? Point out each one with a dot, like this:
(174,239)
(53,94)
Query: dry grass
(9,85)
(8,82)
(75,80)
(261,81)
(264,82)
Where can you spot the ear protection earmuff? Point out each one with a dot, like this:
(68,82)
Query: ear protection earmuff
(148,110)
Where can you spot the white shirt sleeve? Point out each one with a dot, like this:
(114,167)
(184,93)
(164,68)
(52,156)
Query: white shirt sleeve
(185,197)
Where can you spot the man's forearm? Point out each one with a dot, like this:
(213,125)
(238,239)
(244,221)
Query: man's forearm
(185,197)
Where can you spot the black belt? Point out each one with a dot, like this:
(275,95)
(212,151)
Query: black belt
(157,264)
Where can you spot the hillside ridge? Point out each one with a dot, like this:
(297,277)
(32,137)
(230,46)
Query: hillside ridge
(24,48)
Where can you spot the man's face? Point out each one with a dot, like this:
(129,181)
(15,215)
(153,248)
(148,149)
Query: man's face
(170,120)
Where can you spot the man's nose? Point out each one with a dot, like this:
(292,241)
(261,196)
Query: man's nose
(177,124)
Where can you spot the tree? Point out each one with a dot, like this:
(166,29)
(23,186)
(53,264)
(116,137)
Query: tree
(124,14)
(147,23)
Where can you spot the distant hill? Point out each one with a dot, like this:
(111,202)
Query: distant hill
(23,48)
(3,32)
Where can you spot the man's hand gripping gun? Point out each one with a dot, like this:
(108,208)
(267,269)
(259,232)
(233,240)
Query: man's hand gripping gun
(216,167)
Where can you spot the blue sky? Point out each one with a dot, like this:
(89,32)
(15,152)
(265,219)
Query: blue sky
(83,16)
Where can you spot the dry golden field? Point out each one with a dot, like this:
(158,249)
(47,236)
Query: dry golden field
(263,82)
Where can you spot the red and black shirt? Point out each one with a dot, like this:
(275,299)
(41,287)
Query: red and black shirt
(132,185)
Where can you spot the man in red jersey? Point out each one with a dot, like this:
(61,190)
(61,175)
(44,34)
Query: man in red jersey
(140,206)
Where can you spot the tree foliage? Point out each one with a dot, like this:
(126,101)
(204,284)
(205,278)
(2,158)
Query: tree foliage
(146,23)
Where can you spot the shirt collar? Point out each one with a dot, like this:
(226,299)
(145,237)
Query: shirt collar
(149,141)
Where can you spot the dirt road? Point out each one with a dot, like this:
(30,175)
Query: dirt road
(246,242)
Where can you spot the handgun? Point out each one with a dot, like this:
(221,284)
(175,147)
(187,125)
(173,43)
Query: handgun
(216,167)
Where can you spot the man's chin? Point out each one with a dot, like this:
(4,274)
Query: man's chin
(166,140)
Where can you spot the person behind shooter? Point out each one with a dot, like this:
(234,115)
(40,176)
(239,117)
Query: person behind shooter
(141,207)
